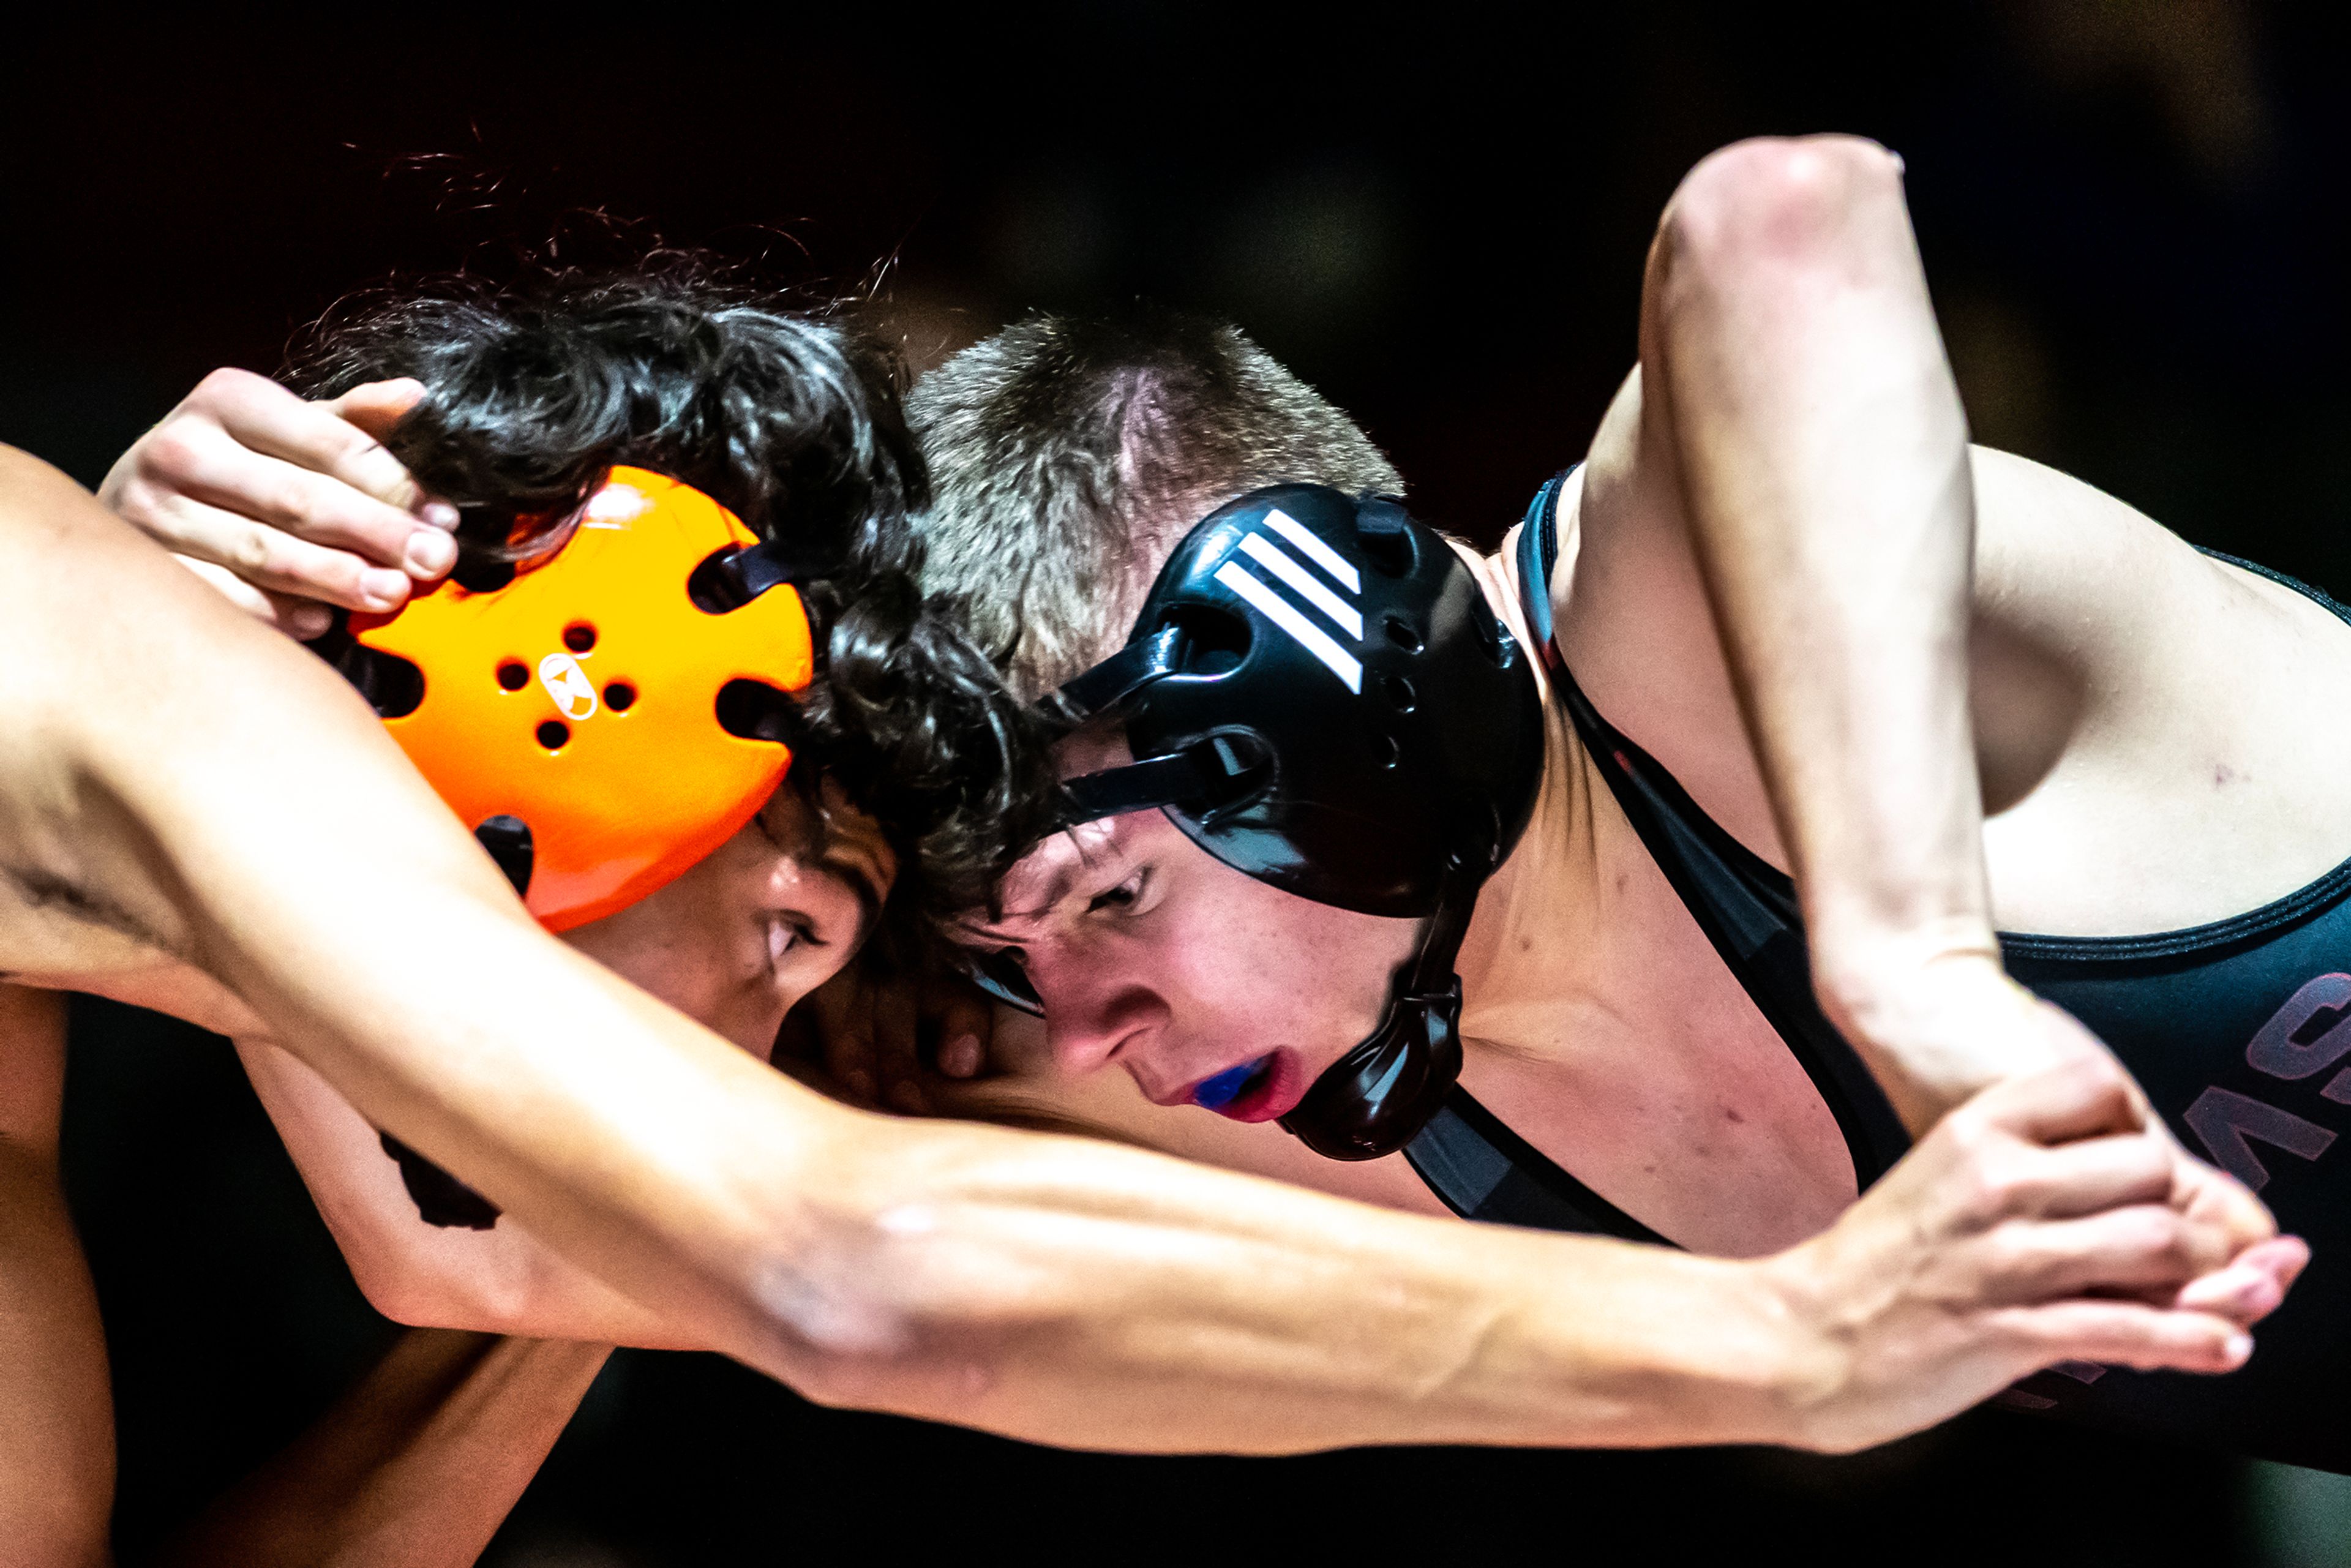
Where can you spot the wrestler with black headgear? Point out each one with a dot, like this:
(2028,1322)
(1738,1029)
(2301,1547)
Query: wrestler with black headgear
(1847,729)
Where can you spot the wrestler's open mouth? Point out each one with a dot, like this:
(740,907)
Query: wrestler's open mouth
(1255,1090)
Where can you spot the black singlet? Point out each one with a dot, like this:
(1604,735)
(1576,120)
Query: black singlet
(2237,1029)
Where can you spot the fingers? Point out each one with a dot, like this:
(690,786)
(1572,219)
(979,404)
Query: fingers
(294,496)
(267,418)
(845,1023)
(376,406)
(2144,1247)
(2253,1284)
(2128,1333)
(967,1024)
(2217,1198)
(271,559)
(208,494)
(301,619)
(2083,1178)
(2081,1098)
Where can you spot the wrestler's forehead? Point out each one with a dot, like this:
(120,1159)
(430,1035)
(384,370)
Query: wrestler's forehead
(1060,865)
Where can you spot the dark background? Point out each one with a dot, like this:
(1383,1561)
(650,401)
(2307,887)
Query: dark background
(2133,214)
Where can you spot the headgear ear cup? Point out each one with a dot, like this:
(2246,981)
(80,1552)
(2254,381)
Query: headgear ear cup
(580,701)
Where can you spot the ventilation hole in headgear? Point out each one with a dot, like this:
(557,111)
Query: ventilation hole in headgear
(620,696)
(1402,632)
(1399,693)
(1390,554)
(552,735)
(579,636)
(478,574)
(1385,749)
(1214,640)
(514,676)
(391,685)
(1243,763)
(754,710)
(713,590)
(508,841)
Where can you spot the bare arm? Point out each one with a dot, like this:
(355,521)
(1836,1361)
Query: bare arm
(56,1412)
(1798,418)
(502,1281)
(416,1466)
(506,1281)
(1791,362)
(1799,443)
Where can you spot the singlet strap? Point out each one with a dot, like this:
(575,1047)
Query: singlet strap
(1482,1170)
(1747,908)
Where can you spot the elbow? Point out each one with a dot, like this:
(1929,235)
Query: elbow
(1773,202)
(421,1299)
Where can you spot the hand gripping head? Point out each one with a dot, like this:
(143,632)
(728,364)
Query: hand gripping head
(613,713)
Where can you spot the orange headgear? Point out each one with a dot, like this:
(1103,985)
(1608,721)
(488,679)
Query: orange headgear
(606,719)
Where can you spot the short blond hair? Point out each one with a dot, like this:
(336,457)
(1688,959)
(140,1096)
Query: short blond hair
(1069,457)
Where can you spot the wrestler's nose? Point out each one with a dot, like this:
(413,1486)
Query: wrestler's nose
(1091,1020)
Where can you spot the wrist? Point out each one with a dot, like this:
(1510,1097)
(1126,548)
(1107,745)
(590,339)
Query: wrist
(1934,1014)
(1863,969)
(1704,1349)
(1812,1368)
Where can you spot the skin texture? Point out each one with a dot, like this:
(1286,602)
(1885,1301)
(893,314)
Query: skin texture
(1071,1290)
(1132,935)
(57,1408)
(415,1467)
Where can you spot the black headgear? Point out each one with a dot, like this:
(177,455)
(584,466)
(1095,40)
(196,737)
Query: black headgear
(1319,695)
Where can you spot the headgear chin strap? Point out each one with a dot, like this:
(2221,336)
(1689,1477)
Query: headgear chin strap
(1372,1100)
(1318,694)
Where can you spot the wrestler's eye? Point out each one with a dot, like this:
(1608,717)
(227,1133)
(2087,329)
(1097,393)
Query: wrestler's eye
(784,934)
(1125,896)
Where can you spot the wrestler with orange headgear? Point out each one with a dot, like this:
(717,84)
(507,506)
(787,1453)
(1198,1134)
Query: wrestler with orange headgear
(679,674)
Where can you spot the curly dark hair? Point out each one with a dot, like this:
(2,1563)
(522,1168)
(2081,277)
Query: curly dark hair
(789,418)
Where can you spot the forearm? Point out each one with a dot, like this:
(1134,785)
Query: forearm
(416,1467)
(502,1281)
(1078,1293)
(1059,1289)
(56,1419)
(1791,351)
